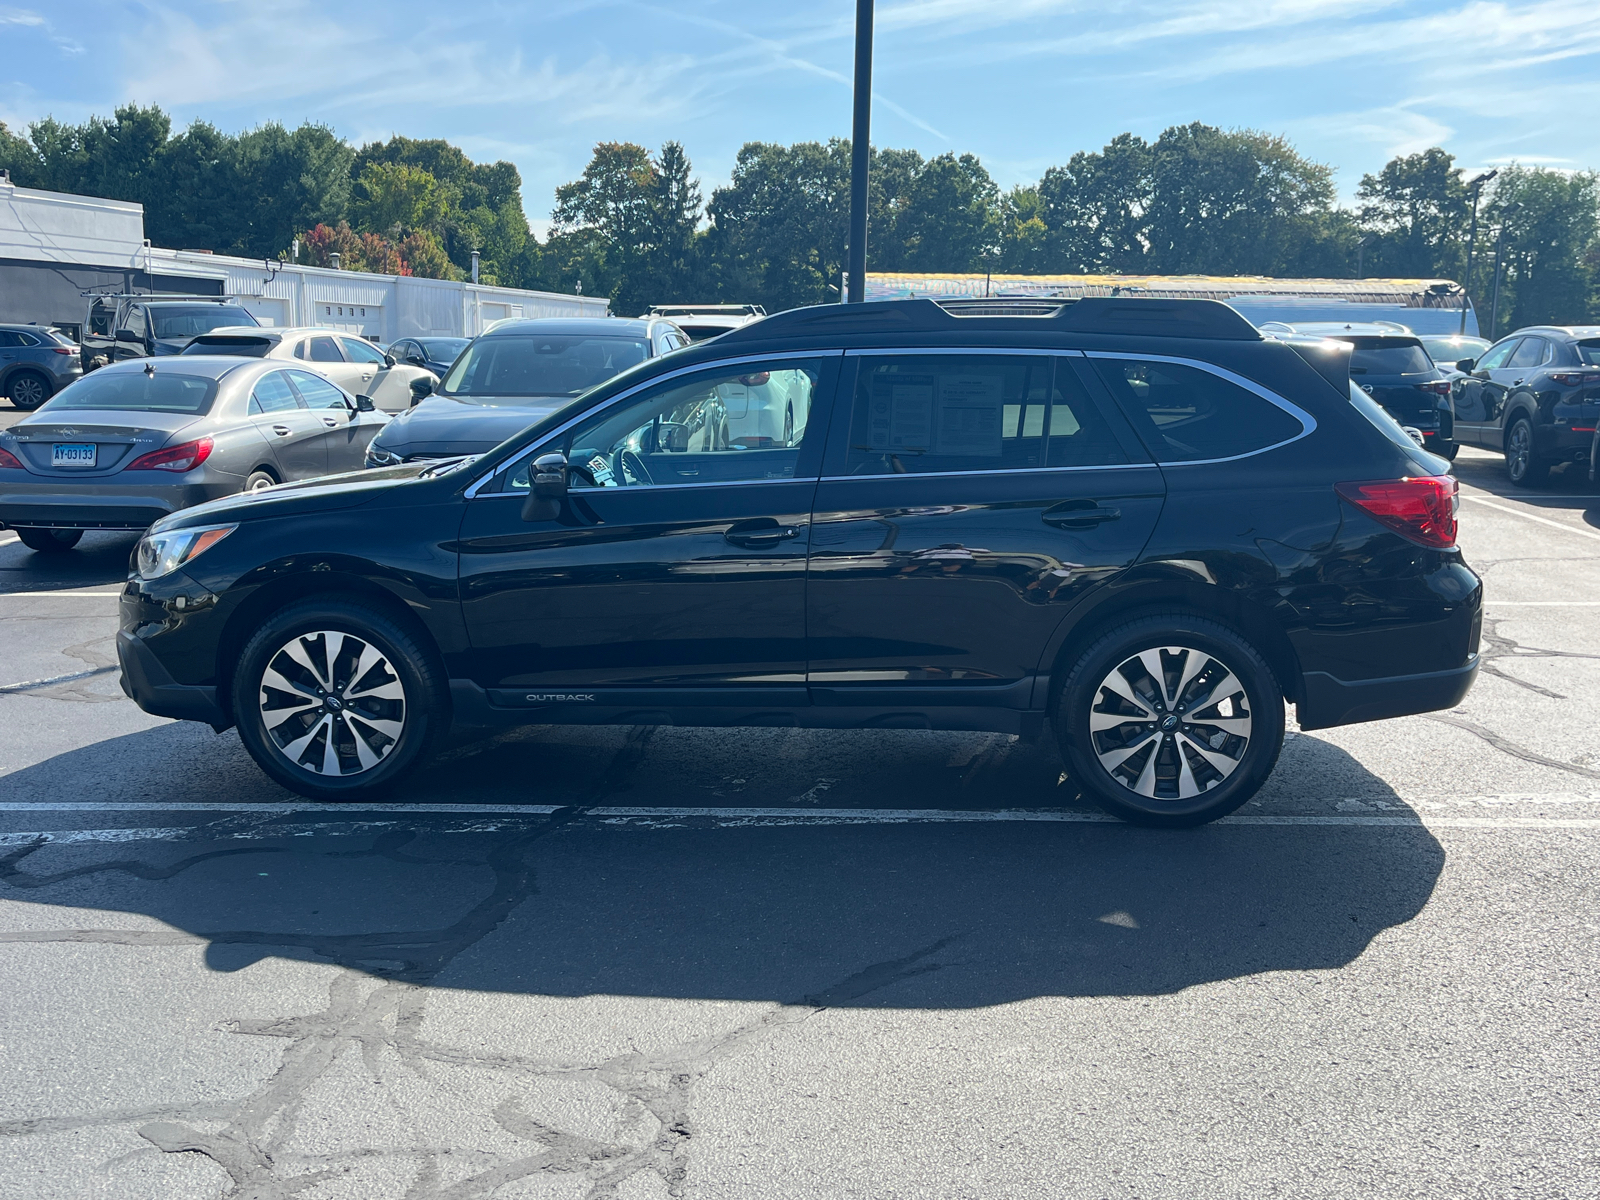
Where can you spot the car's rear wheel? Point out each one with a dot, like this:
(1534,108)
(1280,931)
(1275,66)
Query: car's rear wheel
(27,390)
(259,480)
(337,700)
(1170,720)
(1523,465)
(50,541)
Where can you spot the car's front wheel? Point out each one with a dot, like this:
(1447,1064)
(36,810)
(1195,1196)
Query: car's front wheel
(336,700)
(50,541)
(1170,721)
(27,390)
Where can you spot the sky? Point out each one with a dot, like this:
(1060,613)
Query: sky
(1021,83)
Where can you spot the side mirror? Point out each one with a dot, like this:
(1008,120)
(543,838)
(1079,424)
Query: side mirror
(388,360)
(365,404)
(416,360)
(549,478)
(421,389)
(1464,365)
(128,335)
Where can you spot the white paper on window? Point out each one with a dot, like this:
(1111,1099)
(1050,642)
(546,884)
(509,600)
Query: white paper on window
(970,412)
(901,413)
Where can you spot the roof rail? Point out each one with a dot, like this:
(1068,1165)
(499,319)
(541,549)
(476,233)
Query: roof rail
(1151,317)
(92,295)
(708,310)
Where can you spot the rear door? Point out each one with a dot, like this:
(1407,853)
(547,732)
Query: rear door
(1516,376)
(292,431)
(968,500)
(389,387)
(323,352)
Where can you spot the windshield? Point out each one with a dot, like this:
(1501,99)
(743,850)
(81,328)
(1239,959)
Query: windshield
(137,391)
(560,365)
(1388,356)
(194,319)
(1452,350)
(442,349)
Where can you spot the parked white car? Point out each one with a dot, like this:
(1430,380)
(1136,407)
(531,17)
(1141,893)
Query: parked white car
(352,362)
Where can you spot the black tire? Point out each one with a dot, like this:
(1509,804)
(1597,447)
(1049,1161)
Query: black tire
(1155,758)
(276,721)
(1523,465)
(27,390)
(259,479)
(1454,449)
(50,541)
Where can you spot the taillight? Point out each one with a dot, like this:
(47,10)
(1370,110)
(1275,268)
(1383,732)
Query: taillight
(1439,387)
(62,350)
(9,461)
(1422,508)
(186,457)
(1574,378)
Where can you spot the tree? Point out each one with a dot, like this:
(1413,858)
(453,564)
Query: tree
(19,158)
(293,181)
(1551,234)
(396,199)
(1095,208)
(950,222)
(1024,237)
(1415,214)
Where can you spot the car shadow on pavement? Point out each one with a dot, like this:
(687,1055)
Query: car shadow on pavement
(797,906)
(99,560)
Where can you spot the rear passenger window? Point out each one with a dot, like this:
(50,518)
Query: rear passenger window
(272,394)
(1185,414)
(917,413)
(323,349)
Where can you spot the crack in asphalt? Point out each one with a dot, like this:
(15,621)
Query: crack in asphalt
(254,1146)
(1497,646)
(1507,746)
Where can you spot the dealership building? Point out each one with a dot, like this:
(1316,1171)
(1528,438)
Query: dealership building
(55,247)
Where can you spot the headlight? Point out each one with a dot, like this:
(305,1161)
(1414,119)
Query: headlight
(377,456)
(162,553)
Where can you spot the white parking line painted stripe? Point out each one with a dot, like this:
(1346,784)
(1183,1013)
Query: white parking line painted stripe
(1545,603)
(1562,525)
(55,595)
(290,806)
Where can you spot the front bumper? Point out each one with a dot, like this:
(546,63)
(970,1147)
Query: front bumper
(149,685)
(1330,701)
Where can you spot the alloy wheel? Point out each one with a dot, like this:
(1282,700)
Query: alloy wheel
(332,704)
(1170,723)
(27,392)
(1520,450)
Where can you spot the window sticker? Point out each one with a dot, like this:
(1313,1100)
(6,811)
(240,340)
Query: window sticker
(901,416)
(970,411)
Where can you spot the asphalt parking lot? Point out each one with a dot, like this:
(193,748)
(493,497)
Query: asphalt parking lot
(639,962)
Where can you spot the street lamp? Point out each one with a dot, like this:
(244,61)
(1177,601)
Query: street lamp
(1472,241)
(1499,242)
(856,282)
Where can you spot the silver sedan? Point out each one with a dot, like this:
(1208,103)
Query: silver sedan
(130,443)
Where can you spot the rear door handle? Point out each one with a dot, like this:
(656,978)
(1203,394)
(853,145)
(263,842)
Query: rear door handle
(758,535)
(1079,514)
(281,430)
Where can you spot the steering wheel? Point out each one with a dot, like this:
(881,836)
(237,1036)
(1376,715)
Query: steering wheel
(629,461)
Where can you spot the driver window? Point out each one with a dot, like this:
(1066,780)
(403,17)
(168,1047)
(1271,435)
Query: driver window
(739,423)
(357,350)
(1496,358)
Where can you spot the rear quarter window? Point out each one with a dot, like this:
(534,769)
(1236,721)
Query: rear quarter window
(1187,414)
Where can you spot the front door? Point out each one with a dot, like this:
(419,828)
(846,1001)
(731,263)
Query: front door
(1479,397)
(967,501)
(345,431)
(389,389)
(293,432)
(675,570)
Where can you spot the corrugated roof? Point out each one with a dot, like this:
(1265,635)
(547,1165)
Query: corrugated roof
(1411,293)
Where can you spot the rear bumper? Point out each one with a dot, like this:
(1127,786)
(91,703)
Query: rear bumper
(1330,701)
(111,507)
(149,685)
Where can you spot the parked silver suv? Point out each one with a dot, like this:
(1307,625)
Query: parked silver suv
(36,362)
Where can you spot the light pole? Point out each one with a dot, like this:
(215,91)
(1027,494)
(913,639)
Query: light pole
(1499,241)
(860,144)
(1472,241)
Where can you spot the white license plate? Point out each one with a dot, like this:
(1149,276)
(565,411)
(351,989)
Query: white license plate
(73,454)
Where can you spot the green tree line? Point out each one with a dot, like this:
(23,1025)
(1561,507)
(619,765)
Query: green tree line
(636,227)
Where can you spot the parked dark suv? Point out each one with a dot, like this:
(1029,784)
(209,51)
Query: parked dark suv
(36,362)
(1133,520)
(1392,365)
(132,326)
(1533,396)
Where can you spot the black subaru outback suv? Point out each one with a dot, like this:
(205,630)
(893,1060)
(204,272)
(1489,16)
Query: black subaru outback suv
(1135,521)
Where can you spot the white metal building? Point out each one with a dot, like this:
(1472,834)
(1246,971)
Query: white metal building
(54,247)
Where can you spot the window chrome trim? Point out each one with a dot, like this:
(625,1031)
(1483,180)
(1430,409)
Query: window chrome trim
(987,350)
(1308,423)
(622,397)
(1144,466)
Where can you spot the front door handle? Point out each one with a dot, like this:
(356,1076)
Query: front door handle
(759,535)
(1079,514)
(330,422)
(282,430)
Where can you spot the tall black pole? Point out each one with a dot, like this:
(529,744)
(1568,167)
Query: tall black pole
(860,143)
(1494,305)
(1472,243)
